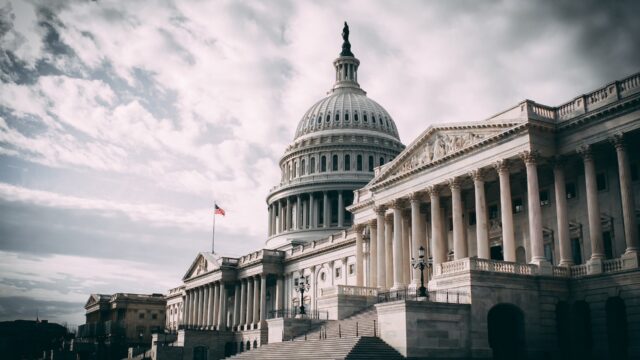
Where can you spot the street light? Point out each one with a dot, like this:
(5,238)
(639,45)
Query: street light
(301,287)
(420,263)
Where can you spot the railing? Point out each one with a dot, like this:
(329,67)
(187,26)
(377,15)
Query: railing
(295,313)
(349,290)
(443,296)
(612,265)
(456,266)
(561,271)
(578,270)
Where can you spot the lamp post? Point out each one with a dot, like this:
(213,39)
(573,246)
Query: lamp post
(421,264)
(302,285)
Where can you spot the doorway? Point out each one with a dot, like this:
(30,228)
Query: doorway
(506,332)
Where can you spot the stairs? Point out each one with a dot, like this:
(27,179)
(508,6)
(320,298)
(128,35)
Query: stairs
(334,349)
(332,339)
(359,324)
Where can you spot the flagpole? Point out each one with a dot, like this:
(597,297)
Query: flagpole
(213,235)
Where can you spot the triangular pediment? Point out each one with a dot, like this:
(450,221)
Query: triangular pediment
(202,264)
(438,143)
(95,299)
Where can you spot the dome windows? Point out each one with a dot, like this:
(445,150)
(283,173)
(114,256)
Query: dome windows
(355,116)
(323,164)
(347,162)
(319,119)
(373,118)
(381,161)
(370,163)
(337,116)
(346,116)
(359,163)
(302,167)
(334,163)
(312,165)
(328,118)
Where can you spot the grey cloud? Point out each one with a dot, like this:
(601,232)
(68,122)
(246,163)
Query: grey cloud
(19,307)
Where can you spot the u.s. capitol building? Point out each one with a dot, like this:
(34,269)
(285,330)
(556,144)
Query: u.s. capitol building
(528,222)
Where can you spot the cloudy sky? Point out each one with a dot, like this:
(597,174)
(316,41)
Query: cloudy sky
(121,122)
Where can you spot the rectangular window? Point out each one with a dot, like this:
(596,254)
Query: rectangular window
(338,272)
(544,198)
(601,181)
(141,315)
(548,252)
(518,207)
(493,212)
(608,246)
(352,269)
(472,218)
(154,316)
(576,251)
(570,189)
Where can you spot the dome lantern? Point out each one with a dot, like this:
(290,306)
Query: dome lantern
(346,66)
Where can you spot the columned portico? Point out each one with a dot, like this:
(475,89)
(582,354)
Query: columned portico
(630,221)
(561,213)
(533,202)
(398,280)
(593,207)
(439,243)
(381,263)
(250,296)
(359,259)
(373,253)
(459,240)
(417,233)
(389,259)
(482,228)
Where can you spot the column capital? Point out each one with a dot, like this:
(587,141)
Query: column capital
(416,197)
(617,140)
(529,157)
(358,227)
(585,152)
(373,224)
(389,219)
(477,174)
(380,209)
(454,183)
(434,190)
(397,204)
(502,166)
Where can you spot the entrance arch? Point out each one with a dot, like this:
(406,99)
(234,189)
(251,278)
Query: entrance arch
(506,332)
(582,340)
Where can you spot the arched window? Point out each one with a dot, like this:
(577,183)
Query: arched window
(337,117)
(346,116)
(370,163)
(381,161)
(364,117)
(303,171)
(319,119)
(347,162)
(359,163)
(334,163)
(355,116)
(328,117)
(295,169)
(312,166)
(323,163)
(373,119)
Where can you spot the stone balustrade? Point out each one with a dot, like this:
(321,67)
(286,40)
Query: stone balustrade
(357,290)
(507,267)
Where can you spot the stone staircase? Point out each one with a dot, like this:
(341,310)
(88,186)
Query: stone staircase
(334,348)
(358,324)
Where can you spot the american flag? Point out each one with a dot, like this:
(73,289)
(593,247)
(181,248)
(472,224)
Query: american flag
(218,210)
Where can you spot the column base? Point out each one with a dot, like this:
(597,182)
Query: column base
(594,266)
(630,260)
(566,263)
(544,266)
(397,287)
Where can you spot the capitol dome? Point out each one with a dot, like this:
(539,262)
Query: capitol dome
(338,144)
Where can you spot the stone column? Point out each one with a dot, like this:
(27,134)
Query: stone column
(533,205)
(243,302)
(388,254)
(326,207)
(263,299)
(287,215)
(561,214)
(440,247)
(270,220)
(199,304)
(593,207)
(279,293)
(626,195)
(186,308)
(313,296)
(256,299)
(276,216)
(192,308)
(216,305)
(506,212)
(482,225)
(208,308)
(312,212)
(249,323)
(299,213)
(236,305)
(222,308)
(460,248)
(406,248)
(417,234)
(373,254)
(380,261)
(340,209)
(305,214)
(398,277)
(359,260)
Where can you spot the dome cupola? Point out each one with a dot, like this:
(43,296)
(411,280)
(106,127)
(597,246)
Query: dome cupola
(338,143)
